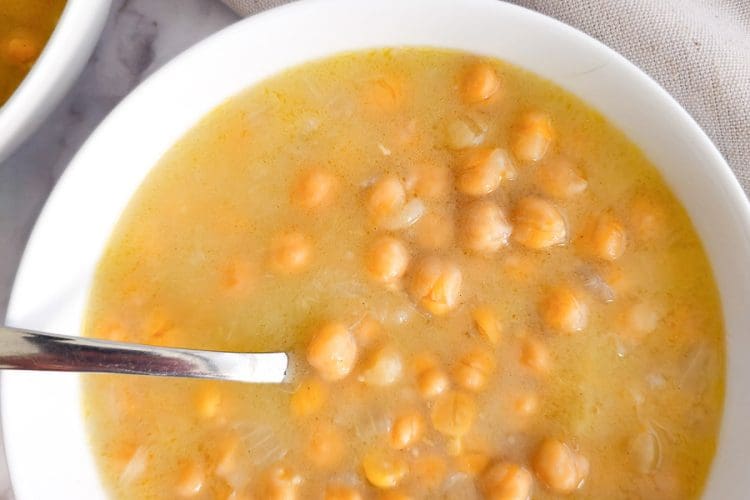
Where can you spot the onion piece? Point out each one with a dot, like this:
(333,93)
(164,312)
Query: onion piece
(646,451)
(263,445)
(135,466)
(594,283)
(409,214)
(465,133)
(459,486)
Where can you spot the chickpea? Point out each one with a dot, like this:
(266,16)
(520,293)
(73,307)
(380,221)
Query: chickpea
(21,49)
(640,319)
(367,331)
(208,401)
(226,461)
(308,398)
(406,133)
(465,133)
(111,329)
(239,276)
(507,481)
(436,285)
(473,370)
(560,179)
(404,218)
(383,367)
(480,83)
(386,197)
(605,238)
(563,310)
(384,95)
(423,361)
(407,430)
(454,446)
(290,252)
(191,479)
(280,483)
(647,218)
(485,228)
(387,259)
(558,467)
(534,137)
(325,449)
(434,231)
(384,470)
(332,352)
(125,403)
(454,414)
(536,356)
(432,382)
(314,188)
(340,492)
(483,170)
(431,379)
(538,224)
(430,181)
(526,404)
(486,323)
(472,462)
(158,324)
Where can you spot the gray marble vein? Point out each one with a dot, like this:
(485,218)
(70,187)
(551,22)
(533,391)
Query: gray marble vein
(140,36)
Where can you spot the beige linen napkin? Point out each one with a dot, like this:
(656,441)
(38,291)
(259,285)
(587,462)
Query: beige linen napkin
(699,50)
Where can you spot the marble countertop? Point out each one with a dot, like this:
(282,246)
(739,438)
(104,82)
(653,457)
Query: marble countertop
(139,37)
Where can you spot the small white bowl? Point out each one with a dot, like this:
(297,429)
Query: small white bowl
(62,59)
(43,423)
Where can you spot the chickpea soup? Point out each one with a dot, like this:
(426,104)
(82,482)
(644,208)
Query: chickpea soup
(489,293)
(25,26)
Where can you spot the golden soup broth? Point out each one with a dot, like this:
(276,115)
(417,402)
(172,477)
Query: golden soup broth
(25,26)
(489,290)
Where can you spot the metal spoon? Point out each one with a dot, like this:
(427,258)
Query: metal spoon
(29,350)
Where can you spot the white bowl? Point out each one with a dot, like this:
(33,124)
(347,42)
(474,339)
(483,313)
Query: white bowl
(62,59)
(43,424)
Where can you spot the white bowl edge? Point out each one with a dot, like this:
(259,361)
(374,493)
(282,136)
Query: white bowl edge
(60,62)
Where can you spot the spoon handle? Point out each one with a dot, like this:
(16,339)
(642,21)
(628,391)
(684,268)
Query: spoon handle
(30,350)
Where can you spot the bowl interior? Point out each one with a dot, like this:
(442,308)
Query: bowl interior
(42,418)
(58,65)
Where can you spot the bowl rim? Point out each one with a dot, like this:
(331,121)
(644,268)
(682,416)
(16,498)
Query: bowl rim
(724,182)
(62,58)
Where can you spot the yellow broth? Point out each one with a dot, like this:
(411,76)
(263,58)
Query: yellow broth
(25,26)
(489,290)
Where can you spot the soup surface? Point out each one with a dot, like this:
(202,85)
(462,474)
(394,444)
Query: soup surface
(489,292)
(25,26)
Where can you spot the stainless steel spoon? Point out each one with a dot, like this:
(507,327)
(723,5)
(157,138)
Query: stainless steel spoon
(29,350)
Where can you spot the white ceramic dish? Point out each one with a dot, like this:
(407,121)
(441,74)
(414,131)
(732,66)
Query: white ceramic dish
(59,64)
(43,423)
